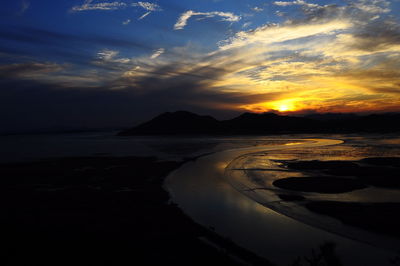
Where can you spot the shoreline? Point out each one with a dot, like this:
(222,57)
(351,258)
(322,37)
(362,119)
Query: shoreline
(211,181)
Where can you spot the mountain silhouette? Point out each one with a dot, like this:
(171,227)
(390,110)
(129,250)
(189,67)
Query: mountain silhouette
(187,123)
(180,122)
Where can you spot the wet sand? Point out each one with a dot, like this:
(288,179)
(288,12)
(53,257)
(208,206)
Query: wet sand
(270,221)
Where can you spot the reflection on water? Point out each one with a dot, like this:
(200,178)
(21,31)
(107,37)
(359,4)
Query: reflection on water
(201,191)
(200,188)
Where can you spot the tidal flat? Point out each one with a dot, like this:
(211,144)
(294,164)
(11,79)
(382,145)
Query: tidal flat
(101,199)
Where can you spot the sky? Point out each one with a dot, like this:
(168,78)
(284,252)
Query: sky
(95,63)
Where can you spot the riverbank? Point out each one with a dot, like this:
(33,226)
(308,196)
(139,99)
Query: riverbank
(102,211)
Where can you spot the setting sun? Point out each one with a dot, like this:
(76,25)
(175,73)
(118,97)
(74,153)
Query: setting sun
(284,105)
(283,108)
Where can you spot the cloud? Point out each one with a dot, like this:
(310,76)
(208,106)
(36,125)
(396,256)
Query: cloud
(326,58)
(246,24)
(110,56)
(332,59)
(148,6)
(29,70)
(99,6)
(157,53)
(109,6)
(359,10)
(144,15)
(382,36)
(296,2)
(257,9)
(373,6)
(183,19)
(105,104)
(67,47)
(274,33)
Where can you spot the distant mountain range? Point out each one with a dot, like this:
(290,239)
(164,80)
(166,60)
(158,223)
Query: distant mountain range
(187,123)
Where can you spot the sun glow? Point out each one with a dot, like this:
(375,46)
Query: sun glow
(288,105)
(284,106)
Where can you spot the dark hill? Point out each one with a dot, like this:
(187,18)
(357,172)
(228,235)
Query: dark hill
(186,123)
(176,123)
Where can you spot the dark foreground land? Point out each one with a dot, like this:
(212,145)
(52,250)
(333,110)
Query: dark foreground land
(375,217)
(102,211)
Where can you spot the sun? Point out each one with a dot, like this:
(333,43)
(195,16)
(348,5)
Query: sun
(286,105)
(283,108)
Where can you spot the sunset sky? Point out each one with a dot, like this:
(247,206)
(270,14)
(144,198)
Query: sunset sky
(114,63)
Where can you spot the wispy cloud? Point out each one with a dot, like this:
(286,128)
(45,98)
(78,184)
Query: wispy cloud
(183,19)
(109,6)
(296,2)
(99,6)
(373,6)
(330,58)
(325,58)
(30,70)
(144,15)
(126,22)
(157,53)
(149,7)
(274,33)
(246,24)
(110,56)
(257,9)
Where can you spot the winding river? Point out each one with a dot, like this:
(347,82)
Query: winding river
(215,199)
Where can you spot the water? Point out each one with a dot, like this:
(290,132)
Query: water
(278,232)
(34,147)
(202,190)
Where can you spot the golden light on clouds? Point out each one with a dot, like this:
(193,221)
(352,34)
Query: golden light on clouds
(287,105)
(284,106)
(328,58)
